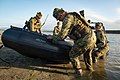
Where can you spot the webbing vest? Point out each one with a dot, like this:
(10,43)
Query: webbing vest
(80,30)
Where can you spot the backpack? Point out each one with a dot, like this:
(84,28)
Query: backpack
(27,25)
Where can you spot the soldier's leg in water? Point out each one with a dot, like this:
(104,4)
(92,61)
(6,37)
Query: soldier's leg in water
(88,59)
(74,57)
(76,65)
(94,58)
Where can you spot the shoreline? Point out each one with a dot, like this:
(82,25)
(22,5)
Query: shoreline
(113,31)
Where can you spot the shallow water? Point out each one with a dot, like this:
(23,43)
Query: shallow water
(110,68)
(113,64)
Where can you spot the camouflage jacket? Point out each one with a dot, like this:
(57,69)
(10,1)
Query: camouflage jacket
(34,24)
(101,38)
(73,27)
(56,30)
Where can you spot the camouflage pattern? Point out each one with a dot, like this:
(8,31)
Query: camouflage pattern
(57,29)
(103,51)
(83,46)
(102,43)
(35,25)
(76,28)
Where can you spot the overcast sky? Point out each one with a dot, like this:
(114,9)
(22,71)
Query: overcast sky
(16,12)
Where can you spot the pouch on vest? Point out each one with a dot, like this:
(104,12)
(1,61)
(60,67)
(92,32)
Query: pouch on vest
(76,33)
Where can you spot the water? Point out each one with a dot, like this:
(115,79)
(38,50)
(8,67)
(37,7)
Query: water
(113,64)
(110,68)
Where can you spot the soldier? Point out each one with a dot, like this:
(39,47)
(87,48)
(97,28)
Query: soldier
(57,29)
(102,43)
(77,28)
(34,23)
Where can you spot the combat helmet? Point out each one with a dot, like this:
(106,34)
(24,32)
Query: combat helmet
(39,14)
(56,11)
(99,25)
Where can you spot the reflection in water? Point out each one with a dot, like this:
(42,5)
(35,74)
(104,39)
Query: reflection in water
(98,74)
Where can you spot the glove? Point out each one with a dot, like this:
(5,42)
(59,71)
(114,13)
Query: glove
(96,53)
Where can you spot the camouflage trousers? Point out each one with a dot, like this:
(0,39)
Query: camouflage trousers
(78,49)
(102,53)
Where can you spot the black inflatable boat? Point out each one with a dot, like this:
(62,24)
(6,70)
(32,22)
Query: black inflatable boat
(35,45)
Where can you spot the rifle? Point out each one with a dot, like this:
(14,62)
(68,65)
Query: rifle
(45,20)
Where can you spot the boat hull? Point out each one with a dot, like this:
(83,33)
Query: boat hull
(35,45)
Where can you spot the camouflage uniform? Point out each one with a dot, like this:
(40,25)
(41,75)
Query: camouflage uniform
(76,28)
(56,29)
(34,24)
(102,43)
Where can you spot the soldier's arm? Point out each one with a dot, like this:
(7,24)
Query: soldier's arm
(102,40)
(66,26)
(54,31)
(38,25)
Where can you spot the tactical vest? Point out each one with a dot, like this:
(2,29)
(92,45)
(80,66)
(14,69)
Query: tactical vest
(36,22)
(80,30)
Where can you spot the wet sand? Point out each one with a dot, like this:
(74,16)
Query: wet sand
(19,67)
